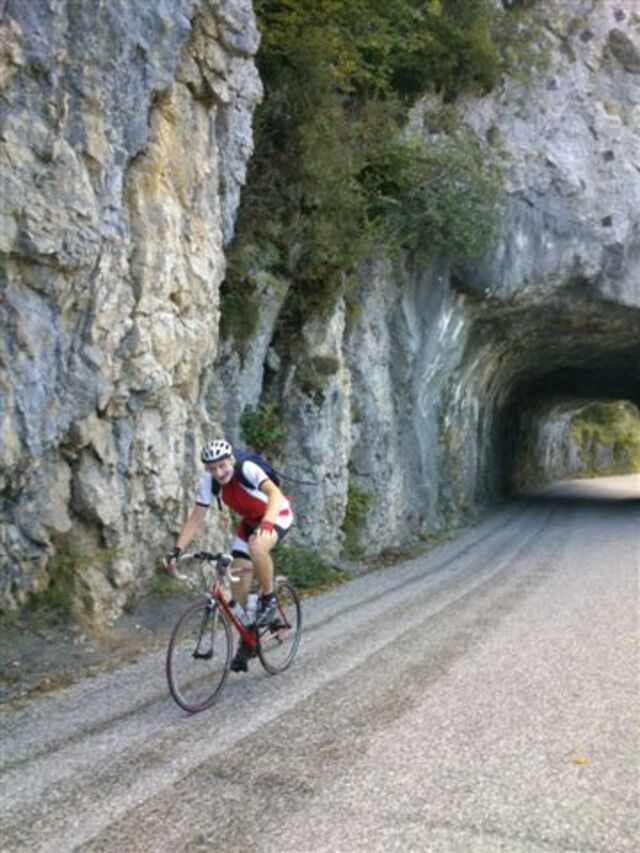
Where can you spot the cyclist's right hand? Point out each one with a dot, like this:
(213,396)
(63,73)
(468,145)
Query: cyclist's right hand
(171,559)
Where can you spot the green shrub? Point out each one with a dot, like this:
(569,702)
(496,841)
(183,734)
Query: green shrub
(435,198)
(306,568)
(262,428)
(164,585)
(444,120)
(56,602)
(522,40)
(315,372)
(239,309)
(59,600)
(359,503)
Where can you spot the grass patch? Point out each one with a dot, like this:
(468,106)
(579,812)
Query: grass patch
(358,506)
(307,569)
(61,601)
(56,602)
(315,372)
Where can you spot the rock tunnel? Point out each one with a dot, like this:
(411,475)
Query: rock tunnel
(551,360)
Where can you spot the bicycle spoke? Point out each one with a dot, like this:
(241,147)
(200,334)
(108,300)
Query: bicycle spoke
(279,640)
(199,656)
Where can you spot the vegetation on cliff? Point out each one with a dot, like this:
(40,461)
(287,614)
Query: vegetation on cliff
(336,175)
(596,439)
(607,436)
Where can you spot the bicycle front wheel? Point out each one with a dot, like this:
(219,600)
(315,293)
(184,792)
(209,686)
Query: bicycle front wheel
(279,641)
(199,656)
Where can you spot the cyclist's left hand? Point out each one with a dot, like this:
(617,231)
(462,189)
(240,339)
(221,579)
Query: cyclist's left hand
(171,559)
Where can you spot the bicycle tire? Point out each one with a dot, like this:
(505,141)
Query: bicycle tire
(199,656)
(279,641)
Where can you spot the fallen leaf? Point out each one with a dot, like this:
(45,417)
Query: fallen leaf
(580,759)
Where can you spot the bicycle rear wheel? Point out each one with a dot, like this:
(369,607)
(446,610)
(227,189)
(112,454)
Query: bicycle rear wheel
(279,641)
(199,656)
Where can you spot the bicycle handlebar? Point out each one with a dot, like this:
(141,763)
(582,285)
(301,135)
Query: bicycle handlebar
(223,562)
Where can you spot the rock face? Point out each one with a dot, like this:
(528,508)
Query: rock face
(441,366)
(126,130)
(124,140)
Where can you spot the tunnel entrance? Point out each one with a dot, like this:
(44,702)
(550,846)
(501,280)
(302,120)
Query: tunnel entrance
(580,420)
(551,363)
(574,439)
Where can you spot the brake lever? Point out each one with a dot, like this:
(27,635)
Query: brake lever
(225,562)
(180,575)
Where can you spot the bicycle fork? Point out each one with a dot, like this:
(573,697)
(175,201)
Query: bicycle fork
(210,615)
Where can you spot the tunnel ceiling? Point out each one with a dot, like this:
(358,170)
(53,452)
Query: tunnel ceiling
(558,349)
(611,378)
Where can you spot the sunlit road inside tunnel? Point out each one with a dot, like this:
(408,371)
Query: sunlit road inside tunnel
(614,489)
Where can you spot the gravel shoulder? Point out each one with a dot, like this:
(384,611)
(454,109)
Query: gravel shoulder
(37,656)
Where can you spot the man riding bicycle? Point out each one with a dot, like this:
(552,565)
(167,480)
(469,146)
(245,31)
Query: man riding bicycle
(266,517)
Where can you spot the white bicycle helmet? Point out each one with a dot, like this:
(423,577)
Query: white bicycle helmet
(216,450)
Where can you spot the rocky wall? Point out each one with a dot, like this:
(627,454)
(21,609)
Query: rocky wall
(125,130)
(437,360)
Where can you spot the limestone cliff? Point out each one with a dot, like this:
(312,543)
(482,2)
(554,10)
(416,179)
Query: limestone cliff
(125,132)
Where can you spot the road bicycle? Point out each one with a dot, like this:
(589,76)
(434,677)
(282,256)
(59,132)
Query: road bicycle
(200,649)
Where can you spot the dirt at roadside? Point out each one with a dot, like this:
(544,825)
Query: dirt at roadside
(37,656)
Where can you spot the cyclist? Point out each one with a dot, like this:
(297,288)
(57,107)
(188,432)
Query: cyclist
(265,518)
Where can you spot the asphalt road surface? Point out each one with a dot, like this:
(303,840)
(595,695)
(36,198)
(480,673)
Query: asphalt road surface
(483,697)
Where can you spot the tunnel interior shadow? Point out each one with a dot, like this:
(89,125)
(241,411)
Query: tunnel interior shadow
(584,495)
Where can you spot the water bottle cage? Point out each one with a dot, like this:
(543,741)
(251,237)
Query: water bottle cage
(252,607)
(240,613)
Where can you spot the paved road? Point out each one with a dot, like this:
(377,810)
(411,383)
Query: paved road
(483,697)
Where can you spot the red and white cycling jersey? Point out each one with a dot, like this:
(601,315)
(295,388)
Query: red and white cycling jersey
(249,503)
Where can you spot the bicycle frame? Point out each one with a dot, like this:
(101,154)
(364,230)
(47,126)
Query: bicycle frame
(248,633)
(222,570)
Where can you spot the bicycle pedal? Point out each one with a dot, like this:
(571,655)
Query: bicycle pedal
(203,655)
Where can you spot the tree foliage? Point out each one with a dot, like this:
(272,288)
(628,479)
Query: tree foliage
(334,174)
